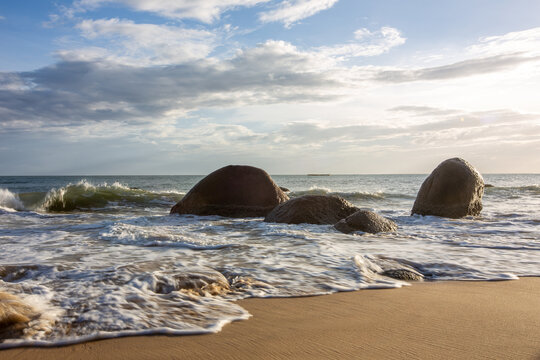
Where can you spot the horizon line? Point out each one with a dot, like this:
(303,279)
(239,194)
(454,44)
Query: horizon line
(303,174)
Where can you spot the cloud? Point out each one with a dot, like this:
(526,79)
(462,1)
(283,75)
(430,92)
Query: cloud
(489,55)
(368,43)
(482,130)
(527,41)
(121,84)
(422,110)
(2,18)
(291,11)
(97,87)
(148,44)
(141,44)
(157,86)
(457,70)
(461,120)
(206,11)
(316,135)
(12,82)
(72,93)
(353,148)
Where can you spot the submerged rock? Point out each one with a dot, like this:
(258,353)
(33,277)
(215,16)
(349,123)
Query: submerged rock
(366,221)
(454,189)
(403,274)
(312,209)
(284,189)
(233,191)
(399,269)
(14,316)
(196,284)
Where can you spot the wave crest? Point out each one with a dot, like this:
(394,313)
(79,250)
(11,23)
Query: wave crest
(10,201)
(525,189)
(352,196)
(85,195)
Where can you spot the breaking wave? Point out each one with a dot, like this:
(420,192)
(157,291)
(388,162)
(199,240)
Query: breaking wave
(83,196)
(10,201)
(352,196)
(521,190)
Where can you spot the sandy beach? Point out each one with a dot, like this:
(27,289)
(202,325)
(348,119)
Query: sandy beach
(445,320)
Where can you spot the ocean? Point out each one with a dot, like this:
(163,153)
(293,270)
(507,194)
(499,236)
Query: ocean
(100,256)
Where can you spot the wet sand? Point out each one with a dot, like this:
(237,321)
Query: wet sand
(444,320)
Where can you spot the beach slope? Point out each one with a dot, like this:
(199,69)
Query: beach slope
(445,320)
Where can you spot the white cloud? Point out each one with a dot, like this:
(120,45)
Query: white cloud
(368,43)
(456,70)
(141,44)
(423,110)
(88,54)
(282,100)
(125,42)
(276,72)
(205,10)
(352,148)
(291,11)
(71,93)
(2,18)
(526,42)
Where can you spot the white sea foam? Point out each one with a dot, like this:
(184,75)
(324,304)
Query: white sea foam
(371,274)
(349,195)
(10,201)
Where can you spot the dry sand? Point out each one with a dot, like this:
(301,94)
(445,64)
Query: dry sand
(445,320)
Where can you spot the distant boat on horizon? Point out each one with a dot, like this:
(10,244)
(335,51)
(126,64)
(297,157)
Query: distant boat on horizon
(318,174)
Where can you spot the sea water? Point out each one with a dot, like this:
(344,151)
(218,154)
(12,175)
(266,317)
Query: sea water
(101,257)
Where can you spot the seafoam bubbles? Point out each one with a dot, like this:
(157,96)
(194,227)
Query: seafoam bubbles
(348,195)
(28,310)
(10,201)
(151,297)
(169,231)
(370,274)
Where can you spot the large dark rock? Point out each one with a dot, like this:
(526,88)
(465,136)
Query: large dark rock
(312,209)
(454,189)
(233,191)
(366,221)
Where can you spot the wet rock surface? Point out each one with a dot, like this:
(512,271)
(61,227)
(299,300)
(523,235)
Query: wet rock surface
(403,274)
(366,221)
(454,189)
(312,209)
(232,191)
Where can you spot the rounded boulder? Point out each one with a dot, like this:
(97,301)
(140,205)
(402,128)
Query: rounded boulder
(454,189)
(232,191)
(366,221)
(312,209)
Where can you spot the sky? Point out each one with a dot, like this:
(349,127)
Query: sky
(135,87)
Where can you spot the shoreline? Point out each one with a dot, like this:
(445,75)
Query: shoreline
(454,319)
